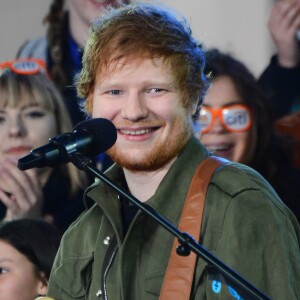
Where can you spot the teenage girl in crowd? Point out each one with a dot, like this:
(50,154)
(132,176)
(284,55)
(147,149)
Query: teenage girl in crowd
(236,124)
(31,112)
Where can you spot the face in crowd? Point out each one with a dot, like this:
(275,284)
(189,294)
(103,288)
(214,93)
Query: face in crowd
(19,278)
(227,123)
(24,127)
(25,262)
(31,110)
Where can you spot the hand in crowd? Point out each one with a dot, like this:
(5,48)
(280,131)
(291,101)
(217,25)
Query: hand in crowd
(284,23)
(21,192)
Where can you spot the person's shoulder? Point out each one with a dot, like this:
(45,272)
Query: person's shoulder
(36,48)
(238,180)
(234,177)
(245,190)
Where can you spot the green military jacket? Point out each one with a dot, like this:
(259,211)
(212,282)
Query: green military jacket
(245,225)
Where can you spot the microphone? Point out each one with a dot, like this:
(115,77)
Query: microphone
(89,137)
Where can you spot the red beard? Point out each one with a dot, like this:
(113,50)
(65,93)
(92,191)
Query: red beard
(156,155)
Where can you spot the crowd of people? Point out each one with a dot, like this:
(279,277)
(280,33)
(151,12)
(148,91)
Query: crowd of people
(174,104)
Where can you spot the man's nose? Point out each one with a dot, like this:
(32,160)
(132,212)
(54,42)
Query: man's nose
(135,107)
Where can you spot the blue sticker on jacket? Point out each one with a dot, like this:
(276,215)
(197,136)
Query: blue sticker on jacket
(216,286)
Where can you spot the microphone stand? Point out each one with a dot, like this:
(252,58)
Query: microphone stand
(187,242)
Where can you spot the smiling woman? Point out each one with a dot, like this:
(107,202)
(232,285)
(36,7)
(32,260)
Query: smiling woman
(255,143)
(31,112)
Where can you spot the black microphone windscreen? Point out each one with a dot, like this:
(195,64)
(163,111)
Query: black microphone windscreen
(103,132)
(90,137)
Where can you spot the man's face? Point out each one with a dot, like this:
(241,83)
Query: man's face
(143,102)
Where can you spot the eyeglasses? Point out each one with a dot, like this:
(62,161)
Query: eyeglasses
(26,66)
(234,118)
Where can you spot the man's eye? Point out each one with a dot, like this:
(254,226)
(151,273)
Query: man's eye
(114,92)
(155,90)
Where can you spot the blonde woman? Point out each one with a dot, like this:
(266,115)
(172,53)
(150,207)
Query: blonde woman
(31,112)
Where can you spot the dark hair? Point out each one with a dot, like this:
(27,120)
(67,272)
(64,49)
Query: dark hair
(270,148)
(57,20)
(35,239)
(144,31)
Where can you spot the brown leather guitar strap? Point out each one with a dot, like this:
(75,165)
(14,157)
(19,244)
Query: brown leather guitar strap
(179,275)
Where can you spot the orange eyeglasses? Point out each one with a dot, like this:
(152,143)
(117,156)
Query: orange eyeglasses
(235,117)
(26,66)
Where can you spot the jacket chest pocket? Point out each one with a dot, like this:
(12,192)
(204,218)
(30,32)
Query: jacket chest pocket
(75,276)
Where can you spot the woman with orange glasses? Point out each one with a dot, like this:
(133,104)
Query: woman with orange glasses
(31,112)
(237,125)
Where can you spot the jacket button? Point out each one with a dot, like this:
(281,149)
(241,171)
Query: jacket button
(107,240)
(99,294)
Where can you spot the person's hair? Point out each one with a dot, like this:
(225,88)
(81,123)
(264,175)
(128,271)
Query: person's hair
(57,20)
(143,31)
(270,148)
(37,89)
(35,239)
